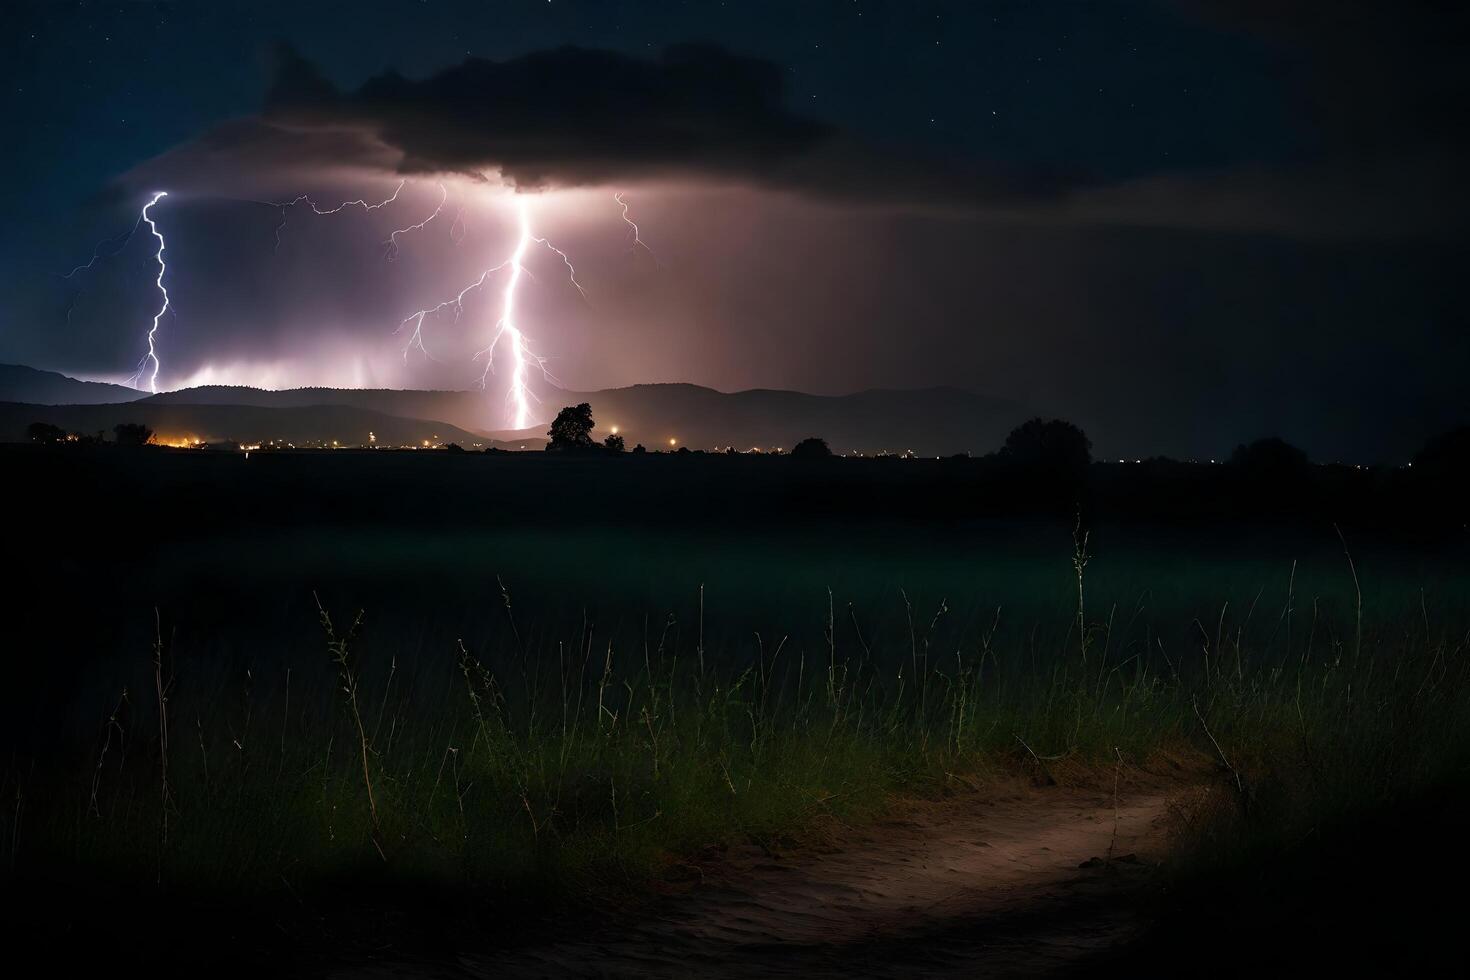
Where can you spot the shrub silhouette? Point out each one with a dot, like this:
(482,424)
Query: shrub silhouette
(1270,457)
(45,433)
(1441,471)
(613,443)
(1052,445)
(1271,476)
(1446,456)
(132,434)
(812,447)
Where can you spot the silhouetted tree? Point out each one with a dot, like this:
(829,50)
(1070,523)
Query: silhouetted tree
(811,447)
(613,443)
(45,433)
(1441,474)
(132,434)
(638,450)
(572,428)
(1271,476)
(453,447)
(1270,457)
(1049,444)
(1445,457)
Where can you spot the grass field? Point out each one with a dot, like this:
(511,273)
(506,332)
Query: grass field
(527,719)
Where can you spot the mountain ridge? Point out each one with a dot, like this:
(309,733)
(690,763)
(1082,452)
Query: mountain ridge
(22,383)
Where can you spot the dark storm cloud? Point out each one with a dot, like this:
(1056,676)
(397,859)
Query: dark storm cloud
(1370,77)
(1380,92)
(1375,153)
(573,117)
(253,152)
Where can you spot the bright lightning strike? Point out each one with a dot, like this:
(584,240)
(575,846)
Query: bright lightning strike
(518,395)
(638,241)
(152,355)
(508,339)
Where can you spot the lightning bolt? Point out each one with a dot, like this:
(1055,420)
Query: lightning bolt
(359,203)
(416,339)
(518,395)
(98,255)
(152,355)
(508,337)
(391,245)
(286,206)
(638,242)
(571,271)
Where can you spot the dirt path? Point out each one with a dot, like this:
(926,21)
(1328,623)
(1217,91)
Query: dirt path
(993,887)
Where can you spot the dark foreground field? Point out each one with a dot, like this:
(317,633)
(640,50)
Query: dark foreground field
(745,715)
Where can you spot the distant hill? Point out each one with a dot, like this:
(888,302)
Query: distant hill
(469,410)
(930,421)
(237,423)
(19,383)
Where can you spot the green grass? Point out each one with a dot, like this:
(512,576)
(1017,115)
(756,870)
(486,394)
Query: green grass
(554,765)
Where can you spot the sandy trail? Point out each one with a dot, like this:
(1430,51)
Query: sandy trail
(990,887)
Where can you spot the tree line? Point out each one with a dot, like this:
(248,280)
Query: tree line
(123,434)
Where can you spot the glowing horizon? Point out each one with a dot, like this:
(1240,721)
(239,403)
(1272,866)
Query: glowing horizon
(510,350)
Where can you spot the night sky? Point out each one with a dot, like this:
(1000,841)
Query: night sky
(1180,223)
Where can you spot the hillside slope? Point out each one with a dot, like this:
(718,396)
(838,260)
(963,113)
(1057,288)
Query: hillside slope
(236,423)
(19,383)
